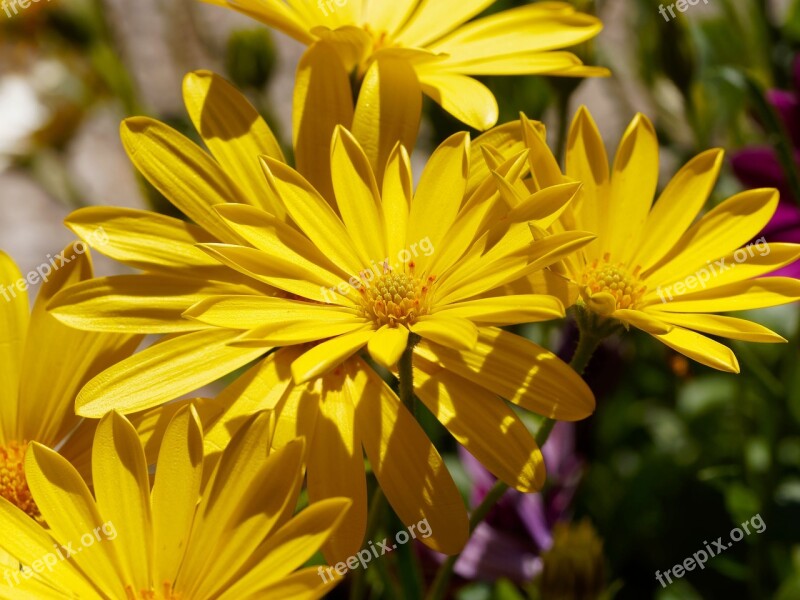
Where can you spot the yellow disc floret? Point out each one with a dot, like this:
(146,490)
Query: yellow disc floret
(602,279)
(395,298)
(13,485)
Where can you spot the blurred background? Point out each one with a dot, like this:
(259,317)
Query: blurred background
(677,455)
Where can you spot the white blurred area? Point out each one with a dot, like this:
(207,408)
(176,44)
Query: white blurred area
(92,167)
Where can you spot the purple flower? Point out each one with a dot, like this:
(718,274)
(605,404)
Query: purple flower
(758,166)
(509,542)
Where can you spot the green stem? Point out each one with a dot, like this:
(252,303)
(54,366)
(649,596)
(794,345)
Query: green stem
(376,511)
(588,342)
(406,374)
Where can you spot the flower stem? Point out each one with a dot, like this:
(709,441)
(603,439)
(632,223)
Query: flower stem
(406,374)
(376,511)
(587,344)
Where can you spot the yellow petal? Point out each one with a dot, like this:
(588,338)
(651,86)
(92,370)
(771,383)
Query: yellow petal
(322,100)
(13,328)
(175,491)
(702,349)
(246,499)
(145,240)
(467,99)
(587,162)
(276,236)
(329,354)
(163,372)
(432,19)
(259,388)
(483,424)
(721,231)
(305,584)
(535,27)
(134,303)
(440,192)
(58,359)
(251,312)
(391,95)
(70,512)
(122,488)
(454,332)
(633,186)
(387,345)
(396,199)
(234,132)
(409,470)
(182,172)
(741,295)
(384,16)
(545,170)
(314,216)
(723,326)
(678,205)
(649,322)
(506,139)
(357,195)
(506,310)
(299,331)
(519,371)
(274,13)
(289,548)
(285,270)
(752,261)
(29,542)
(336,469)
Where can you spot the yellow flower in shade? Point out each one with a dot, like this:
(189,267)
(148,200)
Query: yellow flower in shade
(463,245)
(439,43)
(43,365)
(655,266)
(396,50)
(234,538)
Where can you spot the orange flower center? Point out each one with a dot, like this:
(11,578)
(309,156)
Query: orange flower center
(615,279)
(395,298)
(13,485)
(165,593)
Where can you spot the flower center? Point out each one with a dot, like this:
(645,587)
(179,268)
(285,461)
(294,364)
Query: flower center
(615,279)
(573,566)
(13,485)
(395,298)
(165,593)
(380,39)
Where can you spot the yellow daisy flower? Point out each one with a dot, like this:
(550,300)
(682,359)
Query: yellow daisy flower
(462,226)
(43,365)
(234,538)
(432,46)
(393,52)
(655,267)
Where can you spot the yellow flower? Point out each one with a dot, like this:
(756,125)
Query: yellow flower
(435,39)
(432,281)
(458,215)
(43,365)
(398,50)
(655,267)
(233,538)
